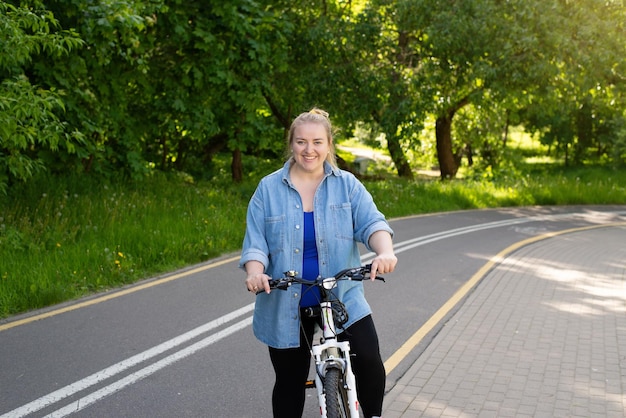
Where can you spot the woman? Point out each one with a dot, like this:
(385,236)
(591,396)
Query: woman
(308,217)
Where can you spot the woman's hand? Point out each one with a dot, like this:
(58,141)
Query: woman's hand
(385,260)
(382,264)
(256,280)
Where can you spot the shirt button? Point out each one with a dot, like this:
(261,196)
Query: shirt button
(297,251)
(297,226)
(297,206)
(295,295)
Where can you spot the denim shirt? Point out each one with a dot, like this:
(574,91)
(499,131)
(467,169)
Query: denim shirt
(345,214)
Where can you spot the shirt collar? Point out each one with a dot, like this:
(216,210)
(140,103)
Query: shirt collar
(328,170)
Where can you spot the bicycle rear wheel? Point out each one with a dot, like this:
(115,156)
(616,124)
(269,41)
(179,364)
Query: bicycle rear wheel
(336,395)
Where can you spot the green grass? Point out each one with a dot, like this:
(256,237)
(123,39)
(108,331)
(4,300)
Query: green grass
(61,239)
(590,185)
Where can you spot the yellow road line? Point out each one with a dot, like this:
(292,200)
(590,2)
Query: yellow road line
(395,359)
(114,295)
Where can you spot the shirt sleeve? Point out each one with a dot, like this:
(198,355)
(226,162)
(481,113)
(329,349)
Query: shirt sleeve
(255,246)
(366,216)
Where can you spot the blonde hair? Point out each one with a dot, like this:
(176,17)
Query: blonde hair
(320,116)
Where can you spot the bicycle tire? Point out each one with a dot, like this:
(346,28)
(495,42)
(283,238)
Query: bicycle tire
(336,395)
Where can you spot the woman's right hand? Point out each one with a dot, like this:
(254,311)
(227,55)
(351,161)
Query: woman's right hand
(256,282)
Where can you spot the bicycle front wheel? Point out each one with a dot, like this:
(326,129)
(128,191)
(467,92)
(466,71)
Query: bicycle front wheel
(336,395)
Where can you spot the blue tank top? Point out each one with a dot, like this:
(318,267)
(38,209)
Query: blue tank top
(310,265)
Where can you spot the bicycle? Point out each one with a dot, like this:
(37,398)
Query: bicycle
(334,379)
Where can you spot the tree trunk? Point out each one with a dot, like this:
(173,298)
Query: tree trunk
(447,162)
(469,153)
(505,135)
(236,167)
(584,130)
(399,159)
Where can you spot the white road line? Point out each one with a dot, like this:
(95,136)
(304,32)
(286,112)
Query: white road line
(115,369)
(146,371)
(427,239)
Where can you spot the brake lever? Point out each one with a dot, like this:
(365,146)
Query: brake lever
(368,269)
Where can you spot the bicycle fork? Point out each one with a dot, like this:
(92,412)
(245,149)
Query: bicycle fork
(333,354)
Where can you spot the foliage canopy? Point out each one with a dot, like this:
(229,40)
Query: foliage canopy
(128,87)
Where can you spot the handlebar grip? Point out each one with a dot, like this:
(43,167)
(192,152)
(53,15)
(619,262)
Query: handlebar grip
(273,285)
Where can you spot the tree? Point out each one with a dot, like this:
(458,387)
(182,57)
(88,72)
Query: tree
(30,122)
(581,113)
(101,81)
(446,55)
(208,71)
(379,66)
(478,52)
(436,57)
(166,84)
(315,65)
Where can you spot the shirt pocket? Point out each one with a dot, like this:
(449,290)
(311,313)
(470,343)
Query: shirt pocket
(342,220)
(275,234)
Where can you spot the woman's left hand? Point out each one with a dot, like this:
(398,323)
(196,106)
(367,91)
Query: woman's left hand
(382,264)
(385,260)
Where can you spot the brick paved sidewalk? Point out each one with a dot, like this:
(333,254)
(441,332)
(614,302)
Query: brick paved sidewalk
(542,335)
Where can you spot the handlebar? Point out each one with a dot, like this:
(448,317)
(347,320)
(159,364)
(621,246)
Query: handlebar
(355,273)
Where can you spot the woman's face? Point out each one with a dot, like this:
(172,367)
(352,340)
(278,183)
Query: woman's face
(310,146)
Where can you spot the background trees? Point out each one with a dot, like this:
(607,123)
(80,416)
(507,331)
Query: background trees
(31,128)
(125,87)
(584,99)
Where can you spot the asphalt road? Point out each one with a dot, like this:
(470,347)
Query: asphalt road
(180,345)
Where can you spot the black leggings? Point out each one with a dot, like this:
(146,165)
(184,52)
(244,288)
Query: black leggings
(292,365)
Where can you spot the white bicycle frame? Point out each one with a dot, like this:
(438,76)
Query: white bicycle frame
(333,353)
